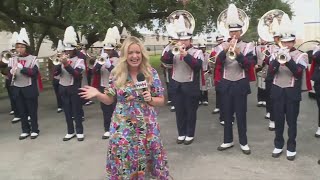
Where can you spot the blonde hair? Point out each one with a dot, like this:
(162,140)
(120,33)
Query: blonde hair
(120,72)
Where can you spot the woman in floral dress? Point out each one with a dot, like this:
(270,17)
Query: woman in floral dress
(135,148)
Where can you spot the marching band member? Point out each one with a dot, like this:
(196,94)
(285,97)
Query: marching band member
(56,79)
(187,63)
(315,74)
(215,51)
(5,73)
(237,70)
(70,71)
(103,67)
(288,69)
(269,78)
(205,73)
(261,72)
(24,72)
(167,71)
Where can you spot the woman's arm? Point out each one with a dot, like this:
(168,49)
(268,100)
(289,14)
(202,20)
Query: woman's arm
(88,92)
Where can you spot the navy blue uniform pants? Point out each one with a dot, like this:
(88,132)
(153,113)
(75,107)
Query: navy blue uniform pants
(285,109)
(28,106)
(235,104)
(186,113)
(71,106)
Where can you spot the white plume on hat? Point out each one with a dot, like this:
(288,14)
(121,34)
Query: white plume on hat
(171,31)
(233,18)
(202,41)
(84,40)
(60,47)
(124,33)
(13,40)
(70,38)
(23,37)
(275,27)
(286,29)
(116,34)
(109,41)
(180,26)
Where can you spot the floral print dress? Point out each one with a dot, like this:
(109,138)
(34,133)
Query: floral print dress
(135,148)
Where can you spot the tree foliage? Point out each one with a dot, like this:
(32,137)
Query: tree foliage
(49,18)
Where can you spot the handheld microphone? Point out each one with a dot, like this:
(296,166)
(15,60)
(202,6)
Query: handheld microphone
(142,83)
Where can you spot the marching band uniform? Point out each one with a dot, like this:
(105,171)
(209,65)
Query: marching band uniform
(286,91)
(315,75)
(5,73)
(70,82)
(261,73)
(234,85)
(185,85)
(55,81)
(24,70)
(204,75)
(217,76)
(167,71)
(103,72)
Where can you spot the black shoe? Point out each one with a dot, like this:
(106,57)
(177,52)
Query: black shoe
(276,155)
(291,158)
(317,135)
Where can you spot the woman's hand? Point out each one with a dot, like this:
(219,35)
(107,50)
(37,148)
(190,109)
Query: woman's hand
(147,96)
(88,92)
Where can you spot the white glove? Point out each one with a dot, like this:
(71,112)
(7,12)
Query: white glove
(108,63)
(20,66)
(316,49)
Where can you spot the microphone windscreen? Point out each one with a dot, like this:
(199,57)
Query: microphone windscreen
(140,77)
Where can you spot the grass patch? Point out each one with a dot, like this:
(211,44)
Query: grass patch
(155,62)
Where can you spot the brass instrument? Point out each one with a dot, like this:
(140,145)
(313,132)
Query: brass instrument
(176,49)
(231,53)
(101,60)
(6,56)
(267,26)
(280,54)
(56,59)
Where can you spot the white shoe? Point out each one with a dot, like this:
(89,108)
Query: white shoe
(169,102)
(87,104)
(80,137)
(245,147)
(11,112)
(188,138)
(172,108)
(106,135)
(216,110)
(59,110)
(200,102)
(271,125)
(181,138)
(267,116)
(205,103)
(260,103)
(318,132)
(264,103)
(67,137)
(276,151)
(34,135)
(23,136)
(16,119)
(222,122)
(225,146)
(29,118)
(289,153)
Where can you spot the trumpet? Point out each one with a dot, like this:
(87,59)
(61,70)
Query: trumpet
(231,53)
(56,59)
(176,49)
(101,60)
(281,55)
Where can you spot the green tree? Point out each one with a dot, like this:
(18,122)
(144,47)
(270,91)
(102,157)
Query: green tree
(47,19)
